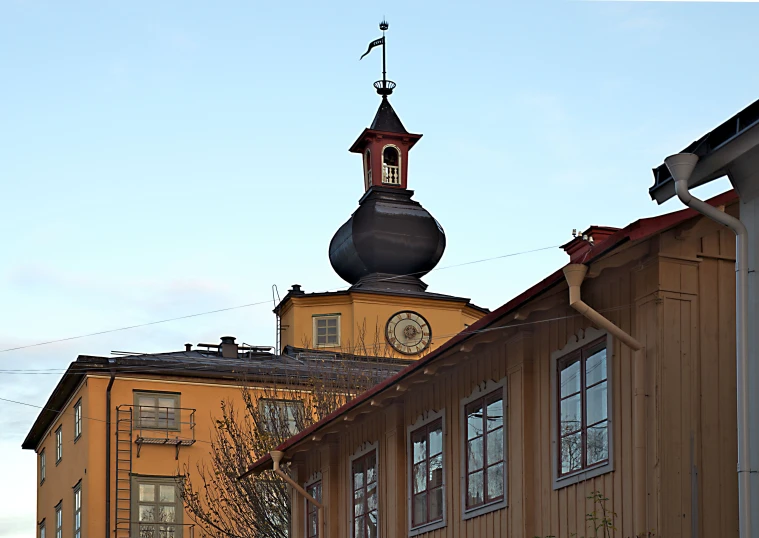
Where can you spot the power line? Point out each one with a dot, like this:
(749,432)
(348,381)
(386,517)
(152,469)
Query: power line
(107,331)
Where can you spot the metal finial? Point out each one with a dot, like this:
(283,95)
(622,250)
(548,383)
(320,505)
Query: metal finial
(384,25)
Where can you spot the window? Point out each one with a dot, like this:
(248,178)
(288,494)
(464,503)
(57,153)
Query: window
(327,330)
(426,475)
(42,529)
(157,411)
(365,506)
(485,450)
(58,444)
(43,466)
(583,402)
(156,508)
(78,510)
(368,169)
(281,417)
(59,520)
(391,165)
(312,512)
(77,419)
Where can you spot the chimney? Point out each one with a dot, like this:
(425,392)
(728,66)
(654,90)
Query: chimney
(228,347)
(188,347)
(578,247)
(295,290)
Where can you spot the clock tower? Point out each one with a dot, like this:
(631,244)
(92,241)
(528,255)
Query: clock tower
(382,251)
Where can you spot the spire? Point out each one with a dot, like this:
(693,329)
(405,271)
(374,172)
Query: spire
(387,120)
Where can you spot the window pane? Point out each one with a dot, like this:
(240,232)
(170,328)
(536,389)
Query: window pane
(167,514)
(147,531)
(436,441)
(146,513)
(474,450)
(321,331)
(166,494)
(332,339)
(474,494)
(332,322)
(474,421)
(358,474)
(147,492)
(312,523)
(495,414)
(420,509)
(371,468)
(596,402)
(495,446)
(436,504)
(419,479)
(358,527)
(571,416)
(420,446)
(571,452)
(371,524)
(495,481)
(436,471)
(321,323)
(595,368)
(598,443)
(371,497)
(358,502)
(570,377)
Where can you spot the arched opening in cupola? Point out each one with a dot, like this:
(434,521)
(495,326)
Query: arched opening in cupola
(391,165)
(367,169)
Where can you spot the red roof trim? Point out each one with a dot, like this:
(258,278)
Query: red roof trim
(640,229)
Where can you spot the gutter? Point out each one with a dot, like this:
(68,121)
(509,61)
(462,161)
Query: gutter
(108,455)
(276,457)
(575,274)
(681,167)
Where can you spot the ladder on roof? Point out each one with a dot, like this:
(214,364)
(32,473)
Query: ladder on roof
(123,472)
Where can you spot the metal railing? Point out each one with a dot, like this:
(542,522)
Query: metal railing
(164,425)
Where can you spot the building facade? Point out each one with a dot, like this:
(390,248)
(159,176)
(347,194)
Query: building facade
(611,395)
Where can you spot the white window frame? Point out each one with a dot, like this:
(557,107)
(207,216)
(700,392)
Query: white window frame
(483,389)
(315,478)
(59,520)
(424,420)
(145,423)
(77,519)
(365,449)
(59,444)
(43,466)
(77,420)
(588,336)
(316,317)
(400,164)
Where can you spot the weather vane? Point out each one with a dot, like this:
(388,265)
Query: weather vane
(384,87)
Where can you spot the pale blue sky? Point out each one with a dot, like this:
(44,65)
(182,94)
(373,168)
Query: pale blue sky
(164,158)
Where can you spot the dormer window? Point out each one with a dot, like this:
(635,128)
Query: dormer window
(368,169)
(391,165)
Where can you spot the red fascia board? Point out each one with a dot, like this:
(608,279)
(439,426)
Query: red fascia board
(636,231)
(358,145)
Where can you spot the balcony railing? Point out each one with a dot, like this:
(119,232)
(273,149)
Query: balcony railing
(391,174)
(156,425)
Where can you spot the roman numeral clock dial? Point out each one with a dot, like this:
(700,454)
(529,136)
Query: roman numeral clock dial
(408,332)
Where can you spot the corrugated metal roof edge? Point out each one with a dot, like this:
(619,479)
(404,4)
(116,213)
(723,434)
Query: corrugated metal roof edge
(635,231)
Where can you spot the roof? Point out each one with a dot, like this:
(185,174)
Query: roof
(387,120)
(638,230)
(737,126)
(300,365)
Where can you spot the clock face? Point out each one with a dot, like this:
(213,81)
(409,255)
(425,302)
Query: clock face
(408,332)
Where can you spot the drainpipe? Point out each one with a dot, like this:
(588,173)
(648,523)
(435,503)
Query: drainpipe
(108,456)
(681,167)
(276,457)
(575,274)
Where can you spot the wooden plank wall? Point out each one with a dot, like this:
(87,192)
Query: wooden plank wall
(680,303)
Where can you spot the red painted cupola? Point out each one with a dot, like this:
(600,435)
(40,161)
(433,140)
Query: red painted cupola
(385,146)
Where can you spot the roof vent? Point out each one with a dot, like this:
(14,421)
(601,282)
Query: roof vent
(295,290)
(228,347)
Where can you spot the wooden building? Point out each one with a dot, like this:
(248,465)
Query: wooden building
(508,428)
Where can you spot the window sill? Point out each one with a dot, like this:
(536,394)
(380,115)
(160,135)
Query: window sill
(428,527)
(485,509)
(77,438)
(58,461)
(581,476)
(42,481)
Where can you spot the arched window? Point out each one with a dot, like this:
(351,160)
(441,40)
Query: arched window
(368,169)
(391,165)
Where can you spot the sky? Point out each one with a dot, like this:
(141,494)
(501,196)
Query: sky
(161,159)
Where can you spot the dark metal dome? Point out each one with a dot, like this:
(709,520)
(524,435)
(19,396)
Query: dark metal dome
(389,242)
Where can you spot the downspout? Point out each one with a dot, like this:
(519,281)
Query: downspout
(575,274)
(681,167)
(108,456)
(276,457)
